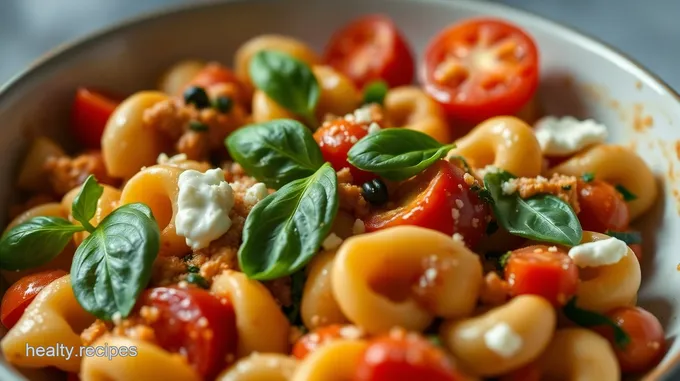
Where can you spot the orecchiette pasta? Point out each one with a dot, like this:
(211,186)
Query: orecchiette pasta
(338,94)
(265,109)
(260,324)
(157,187)
(318,306)
(143,361)
(335,361)
(375,291)
(504,142)
(619,166)
(410,107)
(53,318)
(606,287)
(127,144)
(105,205)
(32,174)
(577,354)
(178,75)
(261,367)
(531,319)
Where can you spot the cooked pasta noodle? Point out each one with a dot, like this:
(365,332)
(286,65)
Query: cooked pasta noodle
(178,75)
(105,205)
(410,107)
(334,361)
(261,367)
(318,306)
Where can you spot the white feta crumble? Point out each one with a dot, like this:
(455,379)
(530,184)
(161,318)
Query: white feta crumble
(373,128)
(568,135)
(458,237)
(255,194)
(502,340)
(359,227)
(203,206)
(331,242)
(363,115)
(509,187)
(488,169)
(599,253)
(165,159)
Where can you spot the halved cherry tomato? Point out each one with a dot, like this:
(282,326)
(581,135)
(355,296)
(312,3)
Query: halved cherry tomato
(407,358)
(315,339)
(602,207)
(647,344)
(22,293)
(91,110)
(336,138)
(541,270)
(213,74)
(481,68)
(194,323)
(439,199)
(371,48)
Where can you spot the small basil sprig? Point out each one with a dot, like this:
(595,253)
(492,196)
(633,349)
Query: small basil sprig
(375,92)
(396,153)
(543,217)
(275,152)
(285,230)
(288,81)
(588,319)
(297,285)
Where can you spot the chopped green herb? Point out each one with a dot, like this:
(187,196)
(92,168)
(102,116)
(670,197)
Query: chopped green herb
(195,125)
(223,104)
(193,269)
(297,285)
(566,187)
(198,280)
(587,319)
(503,259)
(375,92)
(482,193)
(492,227)
(463,162)
(630,238)
(627,195)
(588,177)
(187,257)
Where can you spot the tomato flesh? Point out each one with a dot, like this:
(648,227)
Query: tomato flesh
(438,199)
(22,293)
(602,207)
(371,48)
(90,113)
(406,358)
(647,343)
(315,339)
(541,270)
(194,323)
(336,138)
(481,68)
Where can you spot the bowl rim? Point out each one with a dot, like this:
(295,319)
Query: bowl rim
(661,372)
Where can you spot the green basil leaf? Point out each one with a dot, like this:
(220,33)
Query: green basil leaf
(396,153)
(375,92)
(627,195)
(285,230)
(286,80)
(588,177)
(197,280)
(35,242)
(297,285)
(630,238)
(85,203)
(275,152)
(587,319)
(113,265)
(543,217)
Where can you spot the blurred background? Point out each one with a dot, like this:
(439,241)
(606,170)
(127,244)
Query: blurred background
(647,30)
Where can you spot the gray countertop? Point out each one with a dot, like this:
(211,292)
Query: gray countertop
(647,30)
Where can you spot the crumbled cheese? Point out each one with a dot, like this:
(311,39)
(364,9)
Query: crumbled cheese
(567,135)
(599,253)
(359,227)
(255,194)
(373,128)
(117,318)
(502,340)
(363,115)
(488,169)
(203,206)
(458,237)
(459,203)
(469,179)
(351,332)
(455,213)
(552,249)
(331,242)
(164,159)
(509,187)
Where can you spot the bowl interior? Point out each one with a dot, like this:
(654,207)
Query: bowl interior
(580,77)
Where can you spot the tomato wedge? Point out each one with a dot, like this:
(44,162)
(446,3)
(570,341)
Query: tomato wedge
(602,207)
(194,323)
(541,270)
(91,110)
(336,138)
(438,199)
(22,293)
(481,68)
(371,48)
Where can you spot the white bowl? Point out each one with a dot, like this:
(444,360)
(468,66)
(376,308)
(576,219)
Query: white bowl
(580,77)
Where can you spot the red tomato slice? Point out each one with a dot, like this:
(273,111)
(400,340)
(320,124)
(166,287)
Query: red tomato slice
(647,343)
(91,110)
(315,339)
(194,323)
(406,358)
(481,68)
(537,270)
(336,138)
(22,293)
(371,48)
(438,199)
(602,207)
